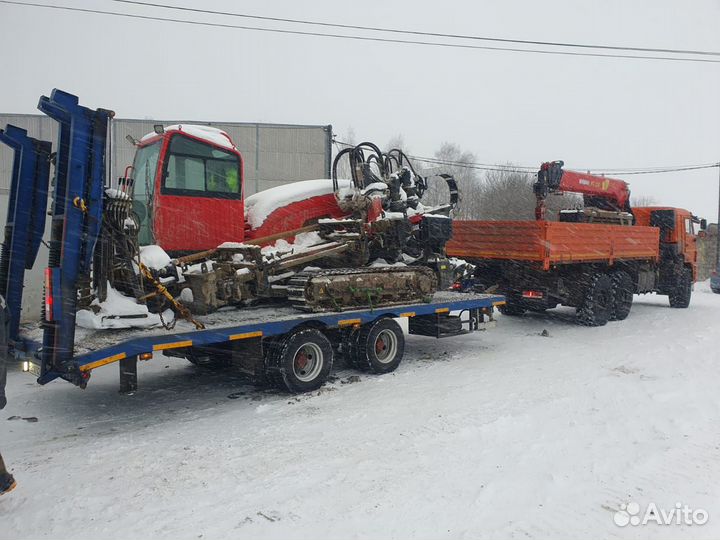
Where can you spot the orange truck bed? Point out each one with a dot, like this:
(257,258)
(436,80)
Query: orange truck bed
(551,243)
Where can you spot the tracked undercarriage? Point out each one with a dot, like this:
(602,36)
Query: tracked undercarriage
(348,288)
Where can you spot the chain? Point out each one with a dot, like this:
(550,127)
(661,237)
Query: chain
(177,306)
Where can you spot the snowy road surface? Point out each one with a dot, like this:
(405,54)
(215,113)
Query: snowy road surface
(499,434)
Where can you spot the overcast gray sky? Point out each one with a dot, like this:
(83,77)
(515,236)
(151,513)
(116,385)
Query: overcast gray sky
(503,106)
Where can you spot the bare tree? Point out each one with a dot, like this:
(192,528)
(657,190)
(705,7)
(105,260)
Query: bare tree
(506,195)
(643,200)
(397,141)
(458,163)
(348,138)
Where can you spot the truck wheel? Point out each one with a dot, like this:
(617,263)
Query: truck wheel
(680,296)
(623,290)
(597,304)
(379,347)
(303,361)
(510,309)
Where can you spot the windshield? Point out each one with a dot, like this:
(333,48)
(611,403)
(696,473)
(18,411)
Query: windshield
(145,165)
(198,169)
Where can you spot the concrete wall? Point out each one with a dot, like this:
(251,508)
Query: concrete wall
(273,154)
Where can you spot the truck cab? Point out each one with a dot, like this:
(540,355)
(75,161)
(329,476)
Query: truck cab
(678,235)
(188,188)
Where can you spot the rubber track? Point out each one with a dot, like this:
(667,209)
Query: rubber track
(297,286)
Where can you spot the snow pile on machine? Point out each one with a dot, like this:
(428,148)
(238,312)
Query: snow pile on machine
(260,206)
(120,311)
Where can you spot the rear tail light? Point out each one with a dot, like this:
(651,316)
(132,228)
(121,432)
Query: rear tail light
(532,294)
(456,286)
(48,295)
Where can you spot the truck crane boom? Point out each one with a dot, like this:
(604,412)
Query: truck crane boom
(604,193)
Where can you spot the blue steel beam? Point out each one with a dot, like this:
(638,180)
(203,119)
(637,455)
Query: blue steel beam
(77,214)
(25,222)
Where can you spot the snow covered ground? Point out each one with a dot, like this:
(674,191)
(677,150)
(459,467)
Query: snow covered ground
(504,433)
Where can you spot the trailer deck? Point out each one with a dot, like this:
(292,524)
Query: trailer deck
(97,348)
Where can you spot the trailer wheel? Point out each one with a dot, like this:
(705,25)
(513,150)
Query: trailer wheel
(272,347)
(597,304)
(680,296)
(623,290)
(379,347)
(303,361)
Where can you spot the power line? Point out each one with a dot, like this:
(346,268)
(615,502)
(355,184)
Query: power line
(460,164)
(353,37)
(521,168)
(475,166)
(618,172)
(656,171)
(627,170)
(420,33)
(533,169)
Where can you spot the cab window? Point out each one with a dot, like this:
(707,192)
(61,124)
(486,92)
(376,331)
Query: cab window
(689,229)
(194,168)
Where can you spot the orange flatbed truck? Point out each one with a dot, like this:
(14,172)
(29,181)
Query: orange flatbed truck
(594,267)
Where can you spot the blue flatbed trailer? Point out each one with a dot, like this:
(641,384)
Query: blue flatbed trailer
(243,338)
(276,344)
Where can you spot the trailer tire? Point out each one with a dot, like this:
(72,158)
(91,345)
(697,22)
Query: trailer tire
(378,347)
(597,304)
(680,295)
(271,351)
(623,290)
(302,362)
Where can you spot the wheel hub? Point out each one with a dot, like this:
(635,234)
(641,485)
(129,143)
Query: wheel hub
(308,362)
(301,360)
(386,346)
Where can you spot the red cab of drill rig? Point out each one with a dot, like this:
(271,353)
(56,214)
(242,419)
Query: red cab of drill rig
(187,183)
